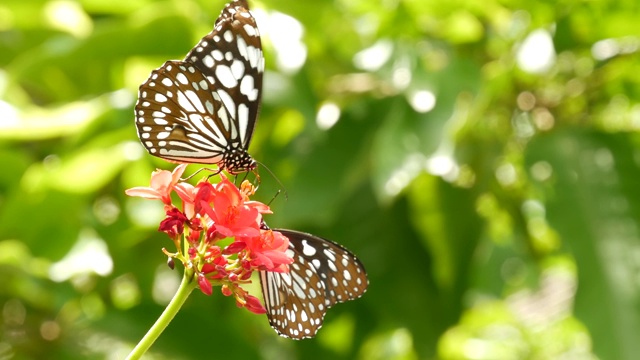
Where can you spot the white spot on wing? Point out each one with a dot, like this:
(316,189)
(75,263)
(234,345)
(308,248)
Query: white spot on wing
(224,74)
(242,48)
(228,103)
(346,274)
(184,103)
(243,121)
(208,61)
(307,249)
(167,82)
(247,87)
(182,78)
(237,68)
(209,106)
(316,263)
(228,36)
(217,54)
(250,30)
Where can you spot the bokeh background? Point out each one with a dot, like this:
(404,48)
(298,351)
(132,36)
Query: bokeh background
(482,158)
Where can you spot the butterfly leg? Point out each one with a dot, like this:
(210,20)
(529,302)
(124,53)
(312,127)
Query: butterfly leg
(213,173)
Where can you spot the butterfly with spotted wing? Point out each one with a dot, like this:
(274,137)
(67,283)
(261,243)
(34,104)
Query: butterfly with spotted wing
(204,109)
(322,274)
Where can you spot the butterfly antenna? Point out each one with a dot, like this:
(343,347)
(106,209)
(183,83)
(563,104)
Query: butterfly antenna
(273,198)
(282,188)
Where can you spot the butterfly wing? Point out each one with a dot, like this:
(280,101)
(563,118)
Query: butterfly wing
(231,58)
(204,109)
(323,274)
(179,119)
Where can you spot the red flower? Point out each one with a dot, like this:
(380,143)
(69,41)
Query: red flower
(226,291)
(173,223)
(204,284)
(254,305)
(203,196)
(212,212)
(243,299)
(268,251)
(196,229)
(235,247)
(213,234)
(162,184)
(231,215)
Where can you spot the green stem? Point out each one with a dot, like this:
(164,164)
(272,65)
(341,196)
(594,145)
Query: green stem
(186,286)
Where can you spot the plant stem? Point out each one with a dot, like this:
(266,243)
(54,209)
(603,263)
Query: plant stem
(186,286)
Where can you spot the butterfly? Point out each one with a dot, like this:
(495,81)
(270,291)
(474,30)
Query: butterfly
(204,109)
(322,274)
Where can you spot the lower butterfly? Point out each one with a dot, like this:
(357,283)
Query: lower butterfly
(322,274)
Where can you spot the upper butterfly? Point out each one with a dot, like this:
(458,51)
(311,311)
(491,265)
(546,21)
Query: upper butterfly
(204,109)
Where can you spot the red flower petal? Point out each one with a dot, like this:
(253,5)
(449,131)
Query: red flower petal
(253,304)
(204,284)
(235,247)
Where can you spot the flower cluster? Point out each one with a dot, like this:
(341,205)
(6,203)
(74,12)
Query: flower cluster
(217,233)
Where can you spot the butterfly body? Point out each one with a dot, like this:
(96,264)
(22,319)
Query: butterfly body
(323,274)
(204,109)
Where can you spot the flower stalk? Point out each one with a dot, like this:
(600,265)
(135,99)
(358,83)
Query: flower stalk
(185,289)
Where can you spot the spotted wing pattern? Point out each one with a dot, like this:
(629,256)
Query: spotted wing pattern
(323,274)
(204,109)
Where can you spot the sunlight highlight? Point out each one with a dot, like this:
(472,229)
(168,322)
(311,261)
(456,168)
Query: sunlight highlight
(68,16)
(444,166)
(132,150)
(121,99)
(374,57)
(422,101)
(536,54)
(8,115)
(285,33)
(608,48)
(403,176)
(165,284)
(328,115)
(88,255)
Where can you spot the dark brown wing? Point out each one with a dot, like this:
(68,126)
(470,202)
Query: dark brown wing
(323,274)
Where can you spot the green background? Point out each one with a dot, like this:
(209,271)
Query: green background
(501,223)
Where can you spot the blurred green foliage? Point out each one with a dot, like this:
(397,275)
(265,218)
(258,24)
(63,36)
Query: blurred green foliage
(484,167)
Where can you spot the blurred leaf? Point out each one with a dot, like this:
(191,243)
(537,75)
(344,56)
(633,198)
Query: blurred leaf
(592,178)
(82,173)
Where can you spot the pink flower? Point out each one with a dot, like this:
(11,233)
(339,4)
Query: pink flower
(187,193)
(268,251)
(162,184)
